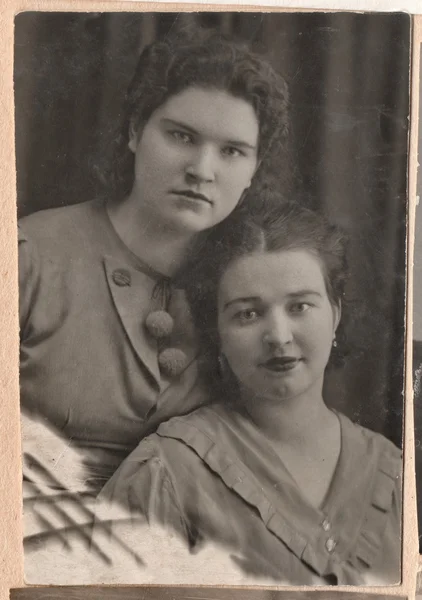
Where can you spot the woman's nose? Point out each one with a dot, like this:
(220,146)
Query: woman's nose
(202,166)
(278,331)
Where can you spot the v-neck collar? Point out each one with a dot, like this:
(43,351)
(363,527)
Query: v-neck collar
(344,529)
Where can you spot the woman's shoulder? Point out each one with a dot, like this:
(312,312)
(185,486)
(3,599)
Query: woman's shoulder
(176,438)
(372,443)
(166,457)
(210,434)
(211,422)
(59,223)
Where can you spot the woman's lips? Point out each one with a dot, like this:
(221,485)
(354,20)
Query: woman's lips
(279,364)
(192,195)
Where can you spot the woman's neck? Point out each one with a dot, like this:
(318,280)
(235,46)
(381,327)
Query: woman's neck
(294,421)
(159,246)
(306,437)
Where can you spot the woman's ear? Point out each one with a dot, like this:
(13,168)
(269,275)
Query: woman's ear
(133,137)
(337,316)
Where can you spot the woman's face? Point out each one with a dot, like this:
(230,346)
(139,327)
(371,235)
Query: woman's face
(276,323)
(194,158)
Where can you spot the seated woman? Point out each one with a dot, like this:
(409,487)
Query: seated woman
(293,490)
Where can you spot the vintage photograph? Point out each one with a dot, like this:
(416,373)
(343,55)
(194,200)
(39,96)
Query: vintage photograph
(212,273)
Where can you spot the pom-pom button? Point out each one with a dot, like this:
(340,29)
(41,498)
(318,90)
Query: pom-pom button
(159,324)
(172,361)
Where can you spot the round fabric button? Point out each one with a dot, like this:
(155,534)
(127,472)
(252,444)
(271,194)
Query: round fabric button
(330,544)
(326,525)
(172,361)
(159,324)
(121,277)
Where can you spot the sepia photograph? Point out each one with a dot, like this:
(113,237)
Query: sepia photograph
(212,275)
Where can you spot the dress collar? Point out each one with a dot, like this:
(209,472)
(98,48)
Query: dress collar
(345,533)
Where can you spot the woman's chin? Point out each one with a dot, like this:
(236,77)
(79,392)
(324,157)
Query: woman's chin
(191,217)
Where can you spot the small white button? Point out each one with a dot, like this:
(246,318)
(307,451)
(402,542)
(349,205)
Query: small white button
(330,544)
(326,525)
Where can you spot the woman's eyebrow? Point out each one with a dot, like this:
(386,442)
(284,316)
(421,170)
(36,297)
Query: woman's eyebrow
(304,293)
(238,143)
(240,300)
(168,121)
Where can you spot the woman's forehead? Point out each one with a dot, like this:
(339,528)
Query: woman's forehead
(272,273)
(213,111)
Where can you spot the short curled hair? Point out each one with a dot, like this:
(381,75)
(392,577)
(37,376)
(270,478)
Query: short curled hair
(284,226)
(207,59)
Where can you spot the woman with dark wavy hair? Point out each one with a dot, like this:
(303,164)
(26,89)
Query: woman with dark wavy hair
(289,488)
(102,314)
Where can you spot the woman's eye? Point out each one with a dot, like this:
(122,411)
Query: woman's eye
(247,316)
(231,151)
(300,307)
(182,136)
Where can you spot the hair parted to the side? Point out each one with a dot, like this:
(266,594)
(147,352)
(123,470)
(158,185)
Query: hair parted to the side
(207,59)
(283,226)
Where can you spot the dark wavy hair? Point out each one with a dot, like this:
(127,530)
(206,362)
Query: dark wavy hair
(206,59)
(283,226)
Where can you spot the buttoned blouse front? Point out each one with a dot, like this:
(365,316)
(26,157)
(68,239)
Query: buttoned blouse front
(212,477)
(87,364)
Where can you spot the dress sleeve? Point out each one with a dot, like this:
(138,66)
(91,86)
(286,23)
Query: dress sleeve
(379,543)
(28,278)
(141,492)
(390,562)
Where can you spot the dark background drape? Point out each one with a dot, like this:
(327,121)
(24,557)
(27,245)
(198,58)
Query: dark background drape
(349,88)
